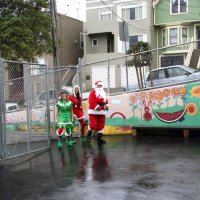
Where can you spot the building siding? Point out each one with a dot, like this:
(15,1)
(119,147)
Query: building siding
(93,26)
(69,30)
(163,16)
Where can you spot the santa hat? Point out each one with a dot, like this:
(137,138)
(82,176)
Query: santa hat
(98,83)
(76,86)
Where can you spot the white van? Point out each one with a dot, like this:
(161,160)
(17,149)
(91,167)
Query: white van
(40,100)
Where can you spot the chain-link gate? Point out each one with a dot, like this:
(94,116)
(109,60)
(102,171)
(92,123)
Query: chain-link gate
(24,127)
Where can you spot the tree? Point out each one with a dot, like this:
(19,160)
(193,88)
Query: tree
(25,29)
(142,56)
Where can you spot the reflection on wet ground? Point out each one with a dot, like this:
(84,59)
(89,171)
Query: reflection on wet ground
(135,168)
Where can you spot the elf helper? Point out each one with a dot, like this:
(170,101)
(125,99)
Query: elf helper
(98,107)
(64,118)
(76,99)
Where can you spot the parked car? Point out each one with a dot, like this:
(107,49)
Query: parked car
(11,107)
(40,100)
(168,76)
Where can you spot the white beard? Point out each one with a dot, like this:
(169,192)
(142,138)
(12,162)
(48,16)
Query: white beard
(100,92)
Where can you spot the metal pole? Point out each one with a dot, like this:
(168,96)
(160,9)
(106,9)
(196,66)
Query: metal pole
(47,113)
(108,77)
(2,113)
(127,85)
(28,104)
(55,44)
(79,75)
(54,33)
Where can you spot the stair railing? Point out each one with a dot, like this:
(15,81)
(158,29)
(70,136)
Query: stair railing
(189,54)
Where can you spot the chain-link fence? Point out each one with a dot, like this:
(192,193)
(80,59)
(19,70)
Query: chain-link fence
(29,91)
(28,94)
(145,69)
(24,128)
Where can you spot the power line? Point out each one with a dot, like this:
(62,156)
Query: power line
(122,18)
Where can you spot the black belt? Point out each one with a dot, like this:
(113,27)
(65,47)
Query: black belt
(102,104)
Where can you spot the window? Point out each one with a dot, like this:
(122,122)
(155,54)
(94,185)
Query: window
(132,12)
(173,36)
(94,42)
(81,40)
(184,35)
(176,71)
(105,15)
(134,39)
(172,60)
(164,37)
(161,74)
(155,75)
(183,6)
(178,6)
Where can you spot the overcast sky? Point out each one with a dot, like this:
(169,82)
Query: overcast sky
(72,8)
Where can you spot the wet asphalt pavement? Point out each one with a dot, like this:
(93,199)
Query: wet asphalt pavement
(126,168)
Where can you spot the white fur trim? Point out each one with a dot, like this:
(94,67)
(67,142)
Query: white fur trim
(68,134)
(63,105)
(80,118)
(76,86)
(99,83)
(96,107)
(95,112)
(100,131)
(63,123)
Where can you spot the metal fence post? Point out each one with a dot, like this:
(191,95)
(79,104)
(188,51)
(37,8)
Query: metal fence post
(127,85)
(28,105)
(79,78)
(47,113)
(108,77)
(2,113)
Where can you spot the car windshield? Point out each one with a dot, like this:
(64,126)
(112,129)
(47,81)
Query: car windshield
(189,69)
(177,71)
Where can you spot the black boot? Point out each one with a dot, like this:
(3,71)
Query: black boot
(99,139)
(88,137)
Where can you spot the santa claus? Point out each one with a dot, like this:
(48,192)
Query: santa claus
(98,107)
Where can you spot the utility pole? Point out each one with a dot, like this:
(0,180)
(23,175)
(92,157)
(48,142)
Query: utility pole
(54,33)
(55,44)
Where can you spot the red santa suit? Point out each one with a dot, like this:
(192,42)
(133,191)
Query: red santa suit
(77,108)
(97,99)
